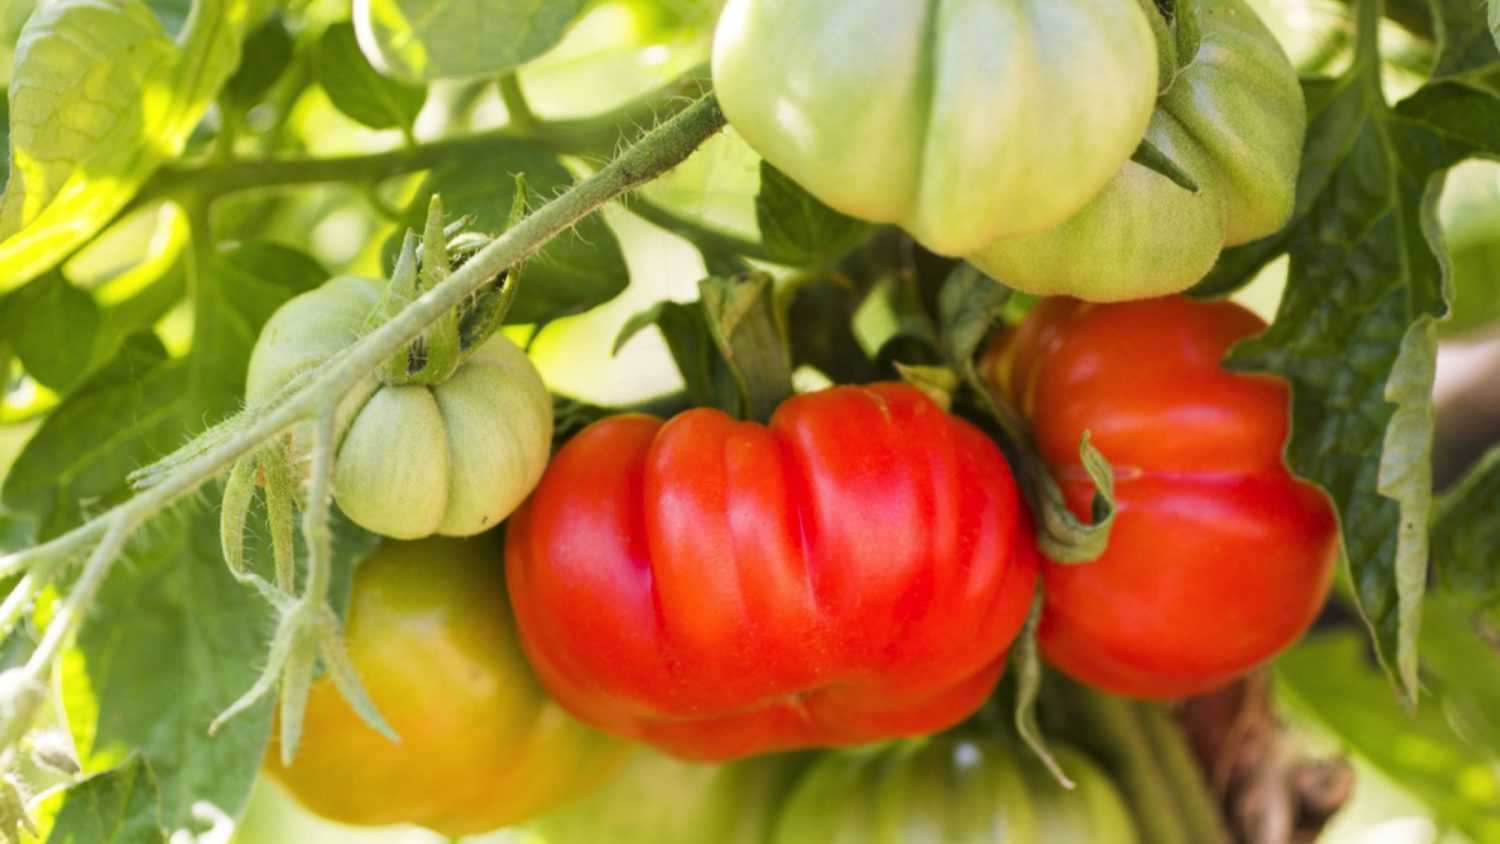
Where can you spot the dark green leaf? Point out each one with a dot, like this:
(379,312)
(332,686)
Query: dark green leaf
(358,90)
(1466,536)
(820,324)
(265,56)
(422,40)
(121,806)
(796,228)
(52,326)
(575,272)
(1329,678)
(1466,47)
(748,332)
(705,373)
(1355,332)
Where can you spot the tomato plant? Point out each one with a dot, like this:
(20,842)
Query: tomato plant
(430,629)
(853,571)
(283,282)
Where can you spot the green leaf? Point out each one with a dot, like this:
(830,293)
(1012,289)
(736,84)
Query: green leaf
(1025,663)
(266,54)
(1465,46)
(820,326)
(75,164)
(1354,334)
(1495,20)
(175,604)
(799,230)
(705,374)
(1329,678)
(51,326)
(1466,536)
(729,345)
(116,807)
(422,40)
(358,90)
(573,273)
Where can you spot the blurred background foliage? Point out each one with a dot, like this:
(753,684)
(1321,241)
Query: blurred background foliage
(1437,778)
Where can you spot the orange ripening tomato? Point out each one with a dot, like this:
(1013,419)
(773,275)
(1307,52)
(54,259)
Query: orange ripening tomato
(1219,557)
(853,571)
(482,746)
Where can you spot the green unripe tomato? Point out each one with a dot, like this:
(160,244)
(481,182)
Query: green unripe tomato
(452,459)
(662,800)
(1233,118)
(950,790)
(962,122)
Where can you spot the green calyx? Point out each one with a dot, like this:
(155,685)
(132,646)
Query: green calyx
(434,356)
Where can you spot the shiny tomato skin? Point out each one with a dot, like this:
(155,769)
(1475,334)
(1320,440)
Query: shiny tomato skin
(482,746)
(1219,557)
(853,571)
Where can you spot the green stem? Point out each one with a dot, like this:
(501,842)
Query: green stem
(589,136)
(695,231)
(1367,15)
(1204,817)
(522,118)
(1139,743)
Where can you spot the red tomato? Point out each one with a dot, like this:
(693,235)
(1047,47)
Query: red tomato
(852,572)
(1219,557)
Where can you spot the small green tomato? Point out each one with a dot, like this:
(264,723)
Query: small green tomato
(453,458)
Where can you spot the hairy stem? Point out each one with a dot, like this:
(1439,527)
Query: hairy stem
(660,150)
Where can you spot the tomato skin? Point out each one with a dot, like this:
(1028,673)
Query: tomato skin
(1219,557)
(431,634)
(853,571)
(1233,118)
(952,789)
(960,122)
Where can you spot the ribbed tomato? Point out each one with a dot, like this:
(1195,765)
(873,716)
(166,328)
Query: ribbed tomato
(853,571)
(1219,557)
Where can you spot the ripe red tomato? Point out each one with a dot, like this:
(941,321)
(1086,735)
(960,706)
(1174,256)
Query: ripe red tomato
(1219,557)
(853,571)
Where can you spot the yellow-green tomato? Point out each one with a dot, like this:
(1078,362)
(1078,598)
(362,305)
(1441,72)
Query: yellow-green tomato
(962,121)
(482,746)
(1233,119)
(416,460)
(950,790)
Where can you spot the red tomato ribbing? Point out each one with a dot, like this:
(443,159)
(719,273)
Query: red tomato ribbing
(1219,557)
(854,571)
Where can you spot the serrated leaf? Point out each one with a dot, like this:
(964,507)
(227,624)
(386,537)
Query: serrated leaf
(116,807)
(798,229)
(99,98)
(360,91)
(575,272)
(423,40)
(1353,332)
